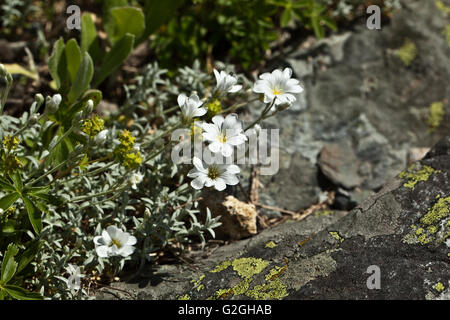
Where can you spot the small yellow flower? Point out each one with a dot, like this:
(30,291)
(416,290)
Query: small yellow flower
(11,142)
(93,126)
(214,108)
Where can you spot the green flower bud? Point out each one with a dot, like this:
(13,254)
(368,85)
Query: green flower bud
(52,104)
(2,71)
(76,121)
(39,98)
(89,108)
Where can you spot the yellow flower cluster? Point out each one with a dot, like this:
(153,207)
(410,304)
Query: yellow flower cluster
(125,152)
(214,108)
(10,142)
(93,126)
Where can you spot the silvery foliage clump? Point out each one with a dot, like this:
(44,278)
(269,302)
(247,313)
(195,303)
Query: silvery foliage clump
(160,216)
(115,196)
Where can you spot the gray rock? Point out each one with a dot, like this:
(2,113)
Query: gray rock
(365,96)
(401,230)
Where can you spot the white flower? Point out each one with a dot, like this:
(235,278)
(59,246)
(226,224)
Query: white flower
(226,82)
(223,134)
(278,85)
(213,175)
(73,282)
(190,107)
(114,242)
(101,136)
(135,179)
(53,103)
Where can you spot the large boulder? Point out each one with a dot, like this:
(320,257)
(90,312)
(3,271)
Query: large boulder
(367,90)
(400,235)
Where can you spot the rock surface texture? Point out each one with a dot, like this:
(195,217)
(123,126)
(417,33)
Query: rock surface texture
(403,230)
(360,94)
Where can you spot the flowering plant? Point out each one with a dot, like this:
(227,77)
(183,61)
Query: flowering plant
(84,191)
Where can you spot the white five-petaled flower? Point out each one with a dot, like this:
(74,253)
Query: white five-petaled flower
(223,134)
(213,175)
(226,82)
(191,106)
(114,242)
(278,85)
(135,179)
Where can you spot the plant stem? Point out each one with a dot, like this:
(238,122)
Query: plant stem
(59,166)
(90,196)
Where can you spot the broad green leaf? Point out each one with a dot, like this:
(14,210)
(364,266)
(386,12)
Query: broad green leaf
(21,293)
(9,266)
(125,20)
(83,78)
(34,214)
(57,63)
(89,37)
(115,57)
(17,180)
(28,255)
(8,200)
(73,56)
(17,69)
(157,13)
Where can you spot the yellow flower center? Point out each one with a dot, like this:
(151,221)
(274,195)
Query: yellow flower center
(222,138)
(277,91)
(213,173)
(115,242)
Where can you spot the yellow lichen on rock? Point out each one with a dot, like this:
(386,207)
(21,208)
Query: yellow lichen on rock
(407,52)
(414,174)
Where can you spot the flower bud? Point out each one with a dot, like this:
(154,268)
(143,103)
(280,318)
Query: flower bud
(9,78)
(34,118)
(76,121)
(89,108)
(2,71)
(39,98)
(52,104)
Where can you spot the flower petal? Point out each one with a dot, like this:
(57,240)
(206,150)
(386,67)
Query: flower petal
(219,184)
(102,251)
(181,99)
(198,182)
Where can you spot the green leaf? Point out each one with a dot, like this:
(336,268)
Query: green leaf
(83,78)
(286,17)
(9,266)
(157,13)
(6,185)
(34,214)
(21,293)
(17,180)
(8,200)
(125,20)
(73,57)
(18,69)
(115,57)
(9,227)
(28,255)
(57,63)
(89,37)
